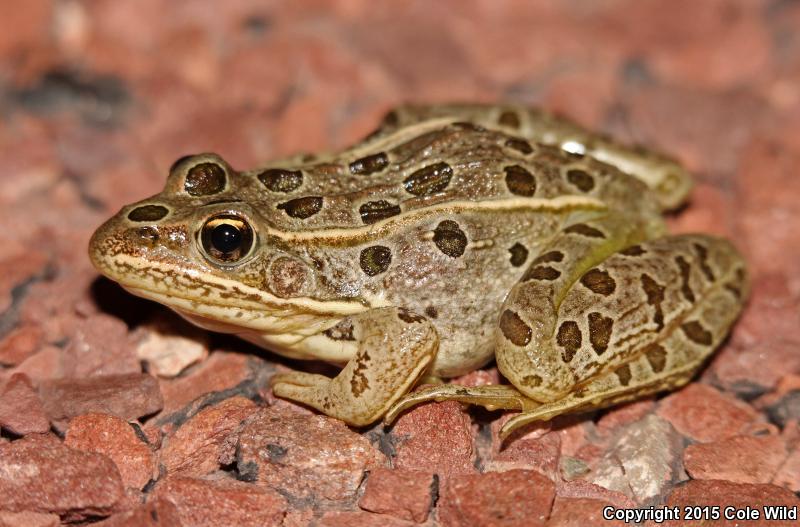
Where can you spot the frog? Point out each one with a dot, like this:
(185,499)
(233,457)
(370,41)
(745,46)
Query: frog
(452,236)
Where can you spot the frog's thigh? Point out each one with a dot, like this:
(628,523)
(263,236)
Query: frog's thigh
(529,318)
(642,321)
(395,347)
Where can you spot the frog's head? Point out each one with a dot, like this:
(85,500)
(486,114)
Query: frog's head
(203,248)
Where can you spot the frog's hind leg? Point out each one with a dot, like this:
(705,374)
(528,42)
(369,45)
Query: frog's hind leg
(641,321)
(395,347)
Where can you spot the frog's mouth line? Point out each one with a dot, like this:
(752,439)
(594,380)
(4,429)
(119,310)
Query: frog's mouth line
(225,301)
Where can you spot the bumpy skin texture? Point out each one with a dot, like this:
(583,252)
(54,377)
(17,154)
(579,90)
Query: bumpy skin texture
(451,235)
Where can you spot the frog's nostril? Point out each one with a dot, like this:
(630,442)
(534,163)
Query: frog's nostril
(148,234)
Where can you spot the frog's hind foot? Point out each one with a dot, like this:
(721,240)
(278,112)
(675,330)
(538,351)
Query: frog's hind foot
(491,397)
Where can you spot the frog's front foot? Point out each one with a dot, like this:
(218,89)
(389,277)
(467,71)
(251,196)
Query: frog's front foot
(395,347)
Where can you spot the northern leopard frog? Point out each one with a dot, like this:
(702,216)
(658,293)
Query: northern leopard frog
(453,235)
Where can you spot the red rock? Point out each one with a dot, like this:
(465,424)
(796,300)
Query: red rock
(28,519)
(642,461)
(740,459)
(478,378)
(126,396)
(704,414)
(494,499)
(19,344)
(435,437)
(207,439)
(168,348)
(222,371)
(623,415)
(542,454)
(43,365)
(573,433)
(305,456)
(100,346)
(221,501)
(155,513)
(21,411)
(404,494)
(580,489)
(298,518)
(115,438)
(361,519)
(18,267)
(39,476)
(788,475)
(580,512)
(766,174)
(726,494)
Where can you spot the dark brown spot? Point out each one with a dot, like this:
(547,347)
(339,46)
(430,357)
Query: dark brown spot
(204,179)
(581,179)
(519,254)
(569,337)
(520,181)
(599,282)
(375,259)
(541,272)
(428,180)
(341,331)
(373,211)
(655,296)
(695,332)
(280,180)
(702,255)
(450,239)
(623,373)
(532,381)
(657,357)
(514,328)
(286,277)
(418,144)
(550,256)
(584,230)
(685,270)
(633,250)
(302,208)
(148,213)
(734,289)
(735,285)
(600,331)
(431,312)
(509,118)
(369,164)
(520,145)
(409,317)
(359,382)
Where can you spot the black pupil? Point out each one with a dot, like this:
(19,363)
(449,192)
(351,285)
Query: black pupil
(226,238)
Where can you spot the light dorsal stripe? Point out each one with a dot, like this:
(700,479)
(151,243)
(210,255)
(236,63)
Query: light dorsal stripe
(385,227)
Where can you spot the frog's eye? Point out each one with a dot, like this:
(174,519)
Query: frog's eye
(226,239)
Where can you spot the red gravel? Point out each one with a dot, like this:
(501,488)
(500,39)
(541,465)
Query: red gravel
(101,392)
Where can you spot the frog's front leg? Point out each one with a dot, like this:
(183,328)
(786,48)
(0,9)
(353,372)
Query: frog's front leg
(395,347)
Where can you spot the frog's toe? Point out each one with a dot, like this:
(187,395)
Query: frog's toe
(296,379)
(491,397)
